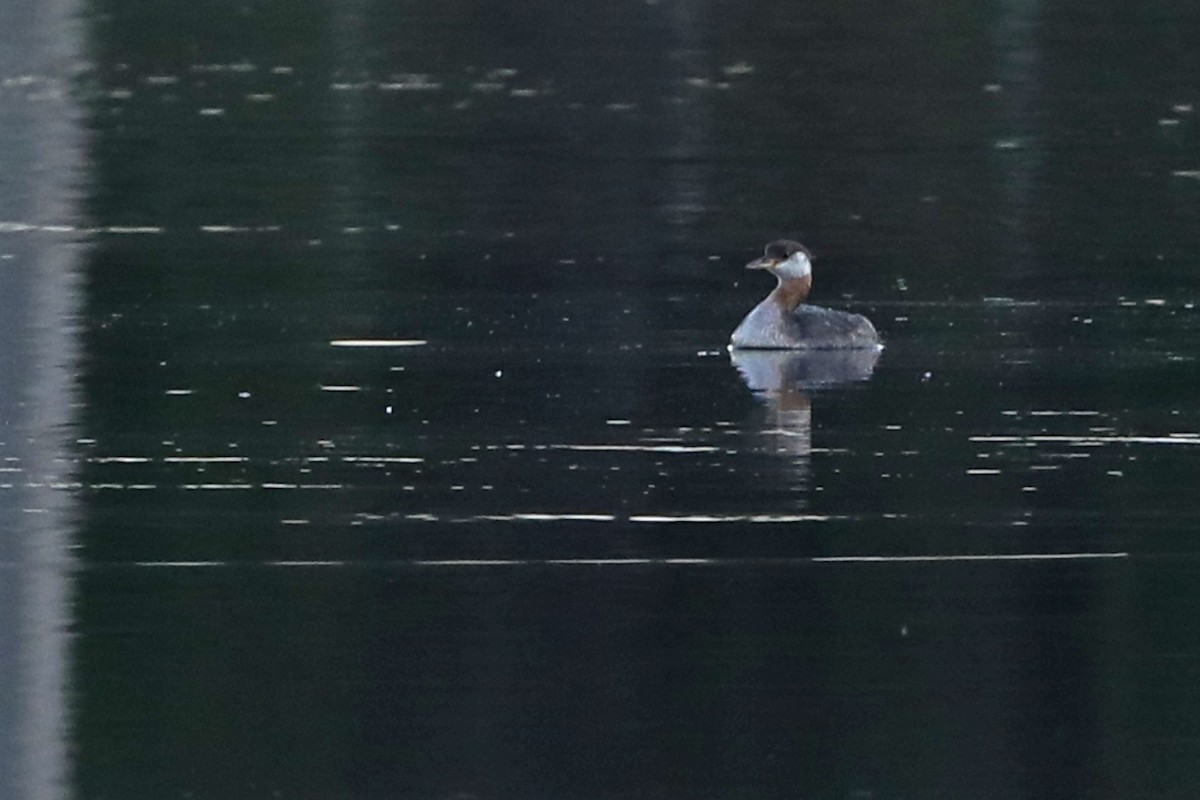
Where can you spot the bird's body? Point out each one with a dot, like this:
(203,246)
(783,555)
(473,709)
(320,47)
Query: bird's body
(783,321)
(770,326)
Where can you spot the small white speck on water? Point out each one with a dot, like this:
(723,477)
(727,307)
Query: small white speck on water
(738,68)
(243,395)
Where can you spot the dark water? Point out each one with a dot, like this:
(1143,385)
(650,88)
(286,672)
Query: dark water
(367,428)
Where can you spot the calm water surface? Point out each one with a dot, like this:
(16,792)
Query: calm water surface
(368,429)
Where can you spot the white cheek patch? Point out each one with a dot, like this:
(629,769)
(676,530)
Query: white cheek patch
(796,266)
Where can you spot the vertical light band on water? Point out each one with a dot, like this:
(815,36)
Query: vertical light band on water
(42,163)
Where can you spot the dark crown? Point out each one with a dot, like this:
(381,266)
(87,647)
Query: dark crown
(785,248)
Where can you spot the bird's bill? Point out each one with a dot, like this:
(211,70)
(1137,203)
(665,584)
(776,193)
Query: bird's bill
(763,262)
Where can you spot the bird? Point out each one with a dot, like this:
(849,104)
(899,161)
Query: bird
(783,321)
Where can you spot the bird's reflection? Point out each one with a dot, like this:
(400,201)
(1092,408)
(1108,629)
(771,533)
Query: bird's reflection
(782,380)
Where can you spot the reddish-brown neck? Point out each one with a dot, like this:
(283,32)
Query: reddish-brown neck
(791,292)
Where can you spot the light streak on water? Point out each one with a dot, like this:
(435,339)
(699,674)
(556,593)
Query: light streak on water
(205,459)
(635,448)
(967,557)
(1091,441)
(656,519)
(218,486)
(716,518)
(382,460)
(612,448)
(378,342)
(638,562)
(539,517)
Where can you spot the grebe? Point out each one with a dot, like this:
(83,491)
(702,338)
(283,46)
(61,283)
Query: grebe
(784,322)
